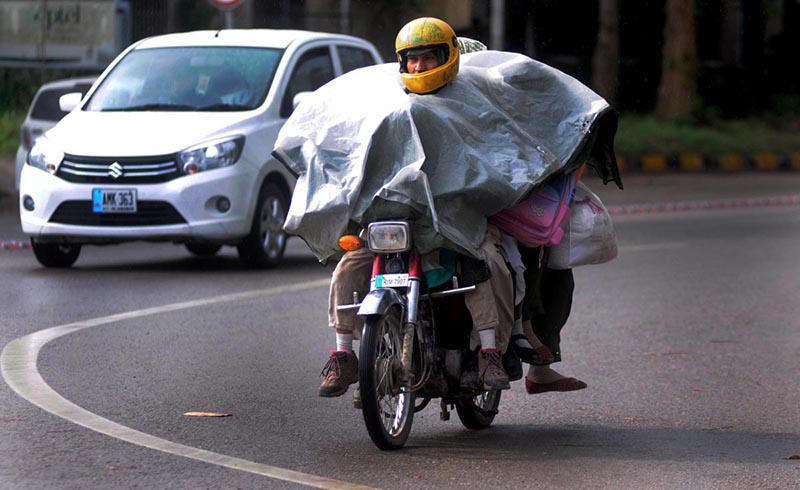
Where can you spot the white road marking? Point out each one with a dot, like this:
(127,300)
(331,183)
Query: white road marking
(18,362)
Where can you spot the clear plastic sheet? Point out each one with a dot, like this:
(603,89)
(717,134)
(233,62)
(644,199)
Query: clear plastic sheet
(364,149)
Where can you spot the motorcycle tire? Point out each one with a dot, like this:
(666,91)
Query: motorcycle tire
(388,412)
(478,412)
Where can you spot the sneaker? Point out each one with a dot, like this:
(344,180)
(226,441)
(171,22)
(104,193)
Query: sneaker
(340,372)
(490,369)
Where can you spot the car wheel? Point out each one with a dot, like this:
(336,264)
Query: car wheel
(264,246)
(55,254)
(203,249)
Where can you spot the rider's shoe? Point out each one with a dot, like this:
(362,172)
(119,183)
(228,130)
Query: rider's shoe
(512,365)
(340,372)
(490,369)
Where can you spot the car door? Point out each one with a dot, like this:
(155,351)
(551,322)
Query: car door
(313,69)
(352,57)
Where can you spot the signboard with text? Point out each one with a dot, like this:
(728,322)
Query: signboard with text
(63,33)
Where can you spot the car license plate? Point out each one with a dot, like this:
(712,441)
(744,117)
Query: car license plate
(391,280)
(114,200)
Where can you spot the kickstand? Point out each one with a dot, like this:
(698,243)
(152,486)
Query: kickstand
(445,413)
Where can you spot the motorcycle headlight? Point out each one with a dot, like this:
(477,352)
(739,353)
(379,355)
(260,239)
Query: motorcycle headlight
(211,155)
(389,236)
(45,155)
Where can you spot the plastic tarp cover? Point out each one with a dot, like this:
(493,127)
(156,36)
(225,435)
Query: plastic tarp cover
(363,149)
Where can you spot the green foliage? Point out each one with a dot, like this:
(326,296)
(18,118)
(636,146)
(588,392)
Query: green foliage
(19,85)
(196,15)
(785,105)
(640,134)
(10,122)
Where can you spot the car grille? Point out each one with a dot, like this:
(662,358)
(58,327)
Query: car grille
(148,213)
(128,170)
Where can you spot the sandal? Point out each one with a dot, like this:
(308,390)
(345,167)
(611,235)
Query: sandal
(564,384)
(540,356)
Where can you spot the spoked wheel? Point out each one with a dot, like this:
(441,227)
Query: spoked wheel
(478,412)
(388,411)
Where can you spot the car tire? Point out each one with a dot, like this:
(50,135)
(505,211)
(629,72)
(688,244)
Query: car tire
(203,249)
(55,254)
(264,246)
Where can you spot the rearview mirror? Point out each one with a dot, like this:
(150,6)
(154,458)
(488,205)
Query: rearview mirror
(69,101)
(299,98)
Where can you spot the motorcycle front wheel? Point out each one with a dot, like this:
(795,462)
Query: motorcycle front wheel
(388,411)
(478,412)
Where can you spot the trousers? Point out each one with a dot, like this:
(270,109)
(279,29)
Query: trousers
(490,304)
(548,298)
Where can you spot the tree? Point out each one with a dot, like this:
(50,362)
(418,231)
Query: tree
(677,90)
(605,62)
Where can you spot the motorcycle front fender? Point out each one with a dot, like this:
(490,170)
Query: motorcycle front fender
(378,301)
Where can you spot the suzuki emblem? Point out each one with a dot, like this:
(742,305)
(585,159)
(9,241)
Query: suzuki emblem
(115,170)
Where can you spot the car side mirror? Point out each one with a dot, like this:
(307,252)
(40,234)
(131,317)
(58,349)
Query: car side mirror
(69,101)
(299,98)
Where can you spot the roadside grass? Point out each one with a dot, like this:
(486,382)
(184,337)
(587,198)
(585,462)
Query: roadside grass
(640,134)
(10,122)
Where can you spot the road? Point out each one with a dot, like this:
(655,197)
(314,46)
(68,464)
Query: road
(689,341)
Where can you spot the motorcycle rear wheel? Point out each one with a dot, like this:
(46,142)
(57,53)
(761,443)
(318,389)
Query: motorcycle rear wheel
(478,412)
(388,412)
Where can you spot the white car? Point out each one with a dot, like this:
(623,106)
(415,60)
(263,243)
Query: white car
(173,142)
(44,113)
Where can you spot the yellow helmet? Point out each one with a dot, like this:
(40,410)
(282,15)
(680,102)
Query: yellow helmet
(427,34)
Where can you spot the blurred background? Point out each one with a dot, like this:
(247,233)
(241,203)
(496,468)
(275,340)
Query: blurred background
(708,76)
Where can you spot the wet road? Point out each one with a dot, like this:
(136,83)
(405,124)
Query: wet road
(690,343)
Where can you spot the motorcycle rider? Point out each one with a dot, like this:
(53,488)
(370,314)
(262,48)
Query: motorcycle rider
(428,53)
(543,301)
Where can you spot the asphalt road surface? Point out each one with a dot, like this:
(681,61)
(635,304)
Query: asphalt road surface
(689,341)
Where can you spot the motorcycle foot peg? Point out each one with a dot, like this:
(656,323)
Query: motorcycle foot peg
(445,413)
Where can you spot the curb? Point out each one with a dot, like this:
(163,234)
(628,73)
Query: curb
(15,245)
(698,162)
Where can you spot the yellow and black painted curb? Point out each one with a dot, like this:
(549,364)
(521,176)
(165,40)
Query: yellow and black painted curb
(698,162)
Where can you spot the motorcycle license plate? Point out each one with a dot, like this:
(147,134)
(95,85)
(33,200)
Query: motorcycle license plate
(391,280)
(114,200)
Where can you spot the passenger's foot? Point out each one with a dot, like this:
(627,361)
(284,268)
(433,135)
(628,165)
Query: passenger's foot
(490,369)
(340,372)
(563,384)
(535,356)
(542,379)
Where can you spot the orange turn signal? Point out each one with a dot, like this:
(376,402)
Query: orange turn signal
(350,243)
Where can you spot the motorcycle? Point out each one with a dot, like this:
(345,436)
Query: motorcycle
(415,342)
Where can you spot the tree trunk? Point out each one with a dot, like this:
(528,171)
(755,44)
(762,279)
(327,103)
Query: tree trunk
(605,62)
(677,90)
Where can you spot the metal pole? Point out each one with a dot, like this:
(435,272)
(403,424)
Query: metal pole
(43,51)
(229,19)
(497,24)
(344,17)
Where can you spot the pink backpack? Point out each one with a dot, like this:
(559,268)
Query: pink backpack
(536,220)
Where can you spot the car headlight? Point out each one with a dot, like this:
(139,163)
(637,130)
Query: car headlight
(45,155)
(389,236)
(211,155)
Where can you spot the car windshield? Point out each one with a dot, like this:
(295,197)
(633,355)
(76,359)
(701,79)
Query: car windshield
(188,79)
